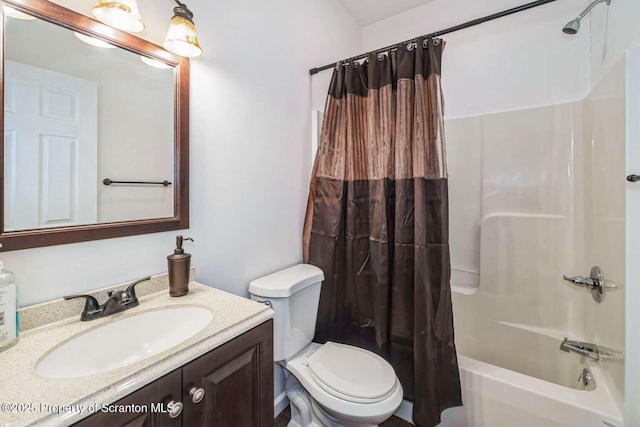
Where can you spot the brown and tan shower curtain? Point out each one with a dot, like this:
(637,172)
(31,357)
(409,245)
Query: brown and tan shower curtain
(377,221)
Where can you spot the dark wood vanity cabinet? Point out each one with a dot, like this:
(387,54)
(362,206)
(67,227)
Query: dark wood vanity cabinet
(236,378)
(137,410)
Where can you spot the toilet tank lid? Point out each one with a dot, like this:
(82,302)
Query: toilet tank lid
(287,282)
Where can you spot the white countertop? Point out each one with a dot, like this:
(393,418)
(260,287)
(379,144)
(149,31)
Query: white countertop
(27,399)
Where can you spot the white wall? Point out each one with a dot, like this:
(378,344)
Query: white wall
(250,162)
(614,29)
(632,285)
(517,62)
(250,136)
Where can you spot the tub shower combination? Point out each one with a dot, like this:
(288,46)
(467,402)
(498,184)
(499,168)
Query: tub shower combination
(536,346)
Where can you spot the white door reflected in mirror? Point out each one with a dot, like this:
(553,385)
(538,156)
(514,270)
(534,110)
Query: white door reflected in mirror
(75,115)
(50,133)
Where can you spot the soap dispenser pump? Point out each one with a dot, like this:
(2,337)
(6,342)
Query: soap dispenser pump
(179,269)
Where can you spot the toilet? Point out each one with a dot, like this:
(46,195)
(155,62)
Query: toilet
(327,384)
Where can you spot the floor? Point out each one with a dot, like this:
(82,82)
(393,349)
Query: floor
(283,419)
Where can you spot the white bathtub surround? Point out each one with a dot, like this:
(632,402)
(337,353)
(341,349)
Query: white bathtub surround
(604,210)
(232,316)
(464,281)
(497,397)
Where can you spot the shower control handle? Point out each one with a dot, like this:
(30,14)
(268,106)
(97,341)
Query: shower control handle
(595,283)
(583,282)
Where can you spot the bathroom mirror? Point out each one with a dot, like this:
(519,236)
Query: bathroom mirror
(95,130)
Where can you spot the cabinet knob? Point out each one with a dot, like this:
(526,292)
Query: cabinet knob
(197,394)
(175,409)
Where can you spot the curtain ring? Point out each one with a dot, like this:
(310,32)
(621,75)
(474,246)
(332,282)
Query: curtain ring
(436,42)
(411,46)
(425,43)
(381,57)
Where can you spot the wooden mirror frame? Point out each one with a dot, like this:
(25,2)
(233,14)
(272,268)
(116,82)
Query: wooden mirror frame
(74,21)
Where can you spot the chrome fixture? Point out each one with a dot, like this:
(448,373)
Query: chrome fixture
(592,351)
(118,301)
(595,282)
(582,348)
(573,26)
(585,377)
(124,15)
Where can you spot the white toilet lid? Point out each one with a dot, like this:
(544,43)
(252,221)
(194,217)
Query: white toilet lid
(352,373)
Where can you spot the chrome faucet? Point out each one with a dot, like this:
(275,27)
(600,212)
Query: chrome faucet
(592,351)
(585,377)
(118,301)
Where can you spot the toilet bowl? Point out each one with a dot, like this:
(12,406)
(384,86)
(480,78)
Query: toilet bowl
(327,384)
(347,385)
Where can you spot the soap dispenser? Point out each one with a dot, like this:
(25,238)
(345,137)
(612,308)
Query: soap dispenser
(179,269)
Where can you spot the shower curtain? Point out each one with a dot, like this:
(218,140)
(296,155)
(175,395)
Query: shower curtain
(377,221)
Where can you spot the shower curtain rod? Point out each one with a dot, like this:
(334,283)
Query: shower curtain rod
(462,26)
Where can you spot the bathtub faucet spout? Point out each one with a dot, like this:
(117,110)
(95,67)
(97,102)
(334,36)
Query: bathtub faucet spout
(592,351)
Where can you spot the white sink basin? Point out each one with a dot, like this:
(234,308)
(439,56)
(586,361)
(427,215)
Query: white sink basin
(123,342)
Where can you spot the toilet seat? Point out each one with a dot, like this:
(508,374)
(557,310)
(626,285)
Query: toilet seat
(352,373)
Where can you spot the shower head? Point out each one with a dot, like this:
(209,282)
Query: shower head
(573,26)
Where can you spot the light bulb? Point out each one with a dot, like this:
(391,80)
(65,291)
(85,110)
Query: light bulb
(154,62)
(181,37)
(93,41)
(121,14)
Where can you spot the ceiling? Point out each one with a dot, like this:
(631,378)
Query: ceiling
(369,11)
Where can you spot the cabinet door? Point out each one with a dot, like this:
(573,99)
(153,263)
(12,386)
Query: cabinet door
(143,408)
(237,379)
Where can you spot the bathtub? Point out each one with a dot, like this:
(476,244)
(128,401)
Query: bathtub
(522,379)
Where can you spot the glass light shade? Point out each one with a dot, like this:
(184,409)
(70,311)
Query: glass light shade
(93,41)
(12,13)
(121,14)
(154,62)
(182,38)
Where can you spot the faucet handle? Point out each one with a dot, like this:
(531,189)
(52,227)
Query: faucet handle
(131,290)
(91,307)
(585,282)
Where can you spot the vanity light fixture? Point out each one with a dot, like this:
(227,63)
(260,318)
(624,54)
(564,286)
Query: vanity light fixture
(121,14)
(124,15)
(181,37)
(12,13)
(93,41)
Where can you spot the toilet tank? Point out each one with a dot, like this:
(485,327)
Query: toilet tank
(294,294)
